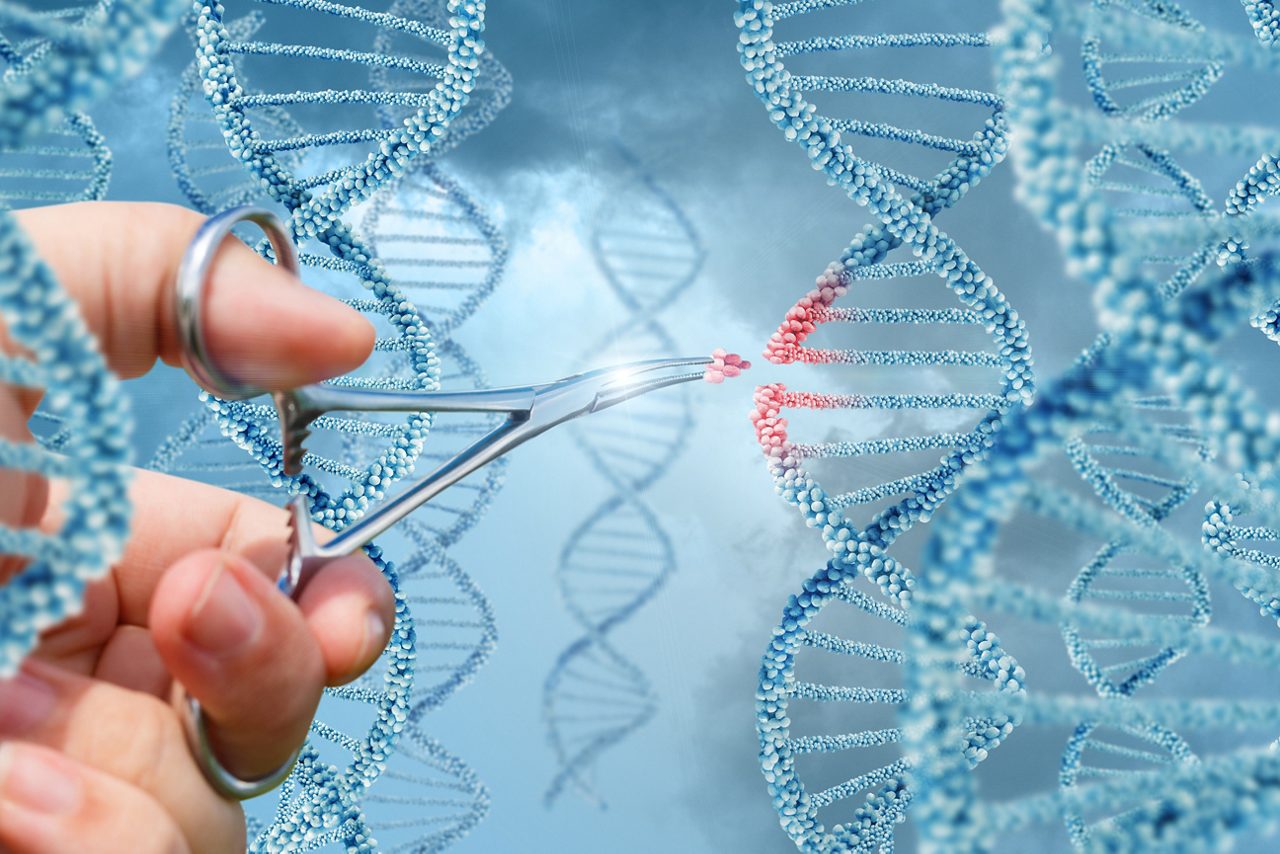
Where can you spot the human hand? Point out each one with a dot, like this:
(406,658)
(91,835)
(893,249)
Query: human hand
(93,755)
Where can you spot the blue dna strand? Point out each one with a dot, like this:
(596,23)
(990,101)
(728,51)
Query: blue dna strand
(197,450)
(67,163)
(1128,779)
(839,649)
(346,152)
(317,194)
(1173,772)
(427,798)
(1265,19)
(1136,150)
(437,243)
(1223,534)
(946,399)
(489,96)
(442,801)
(58,62)
(619,557)
(208,175)
(1133,484)
(56,65)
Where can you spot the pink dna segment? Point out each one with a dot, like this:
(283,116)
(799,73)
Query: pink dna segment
(724,366)
(784,347)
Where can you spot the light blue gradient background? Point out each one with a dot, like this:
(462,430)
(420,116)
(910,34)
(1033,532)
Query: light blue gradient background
(663,76)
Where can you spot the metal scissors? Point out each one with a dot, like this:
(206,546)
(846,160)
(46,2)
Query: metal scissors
(531,411)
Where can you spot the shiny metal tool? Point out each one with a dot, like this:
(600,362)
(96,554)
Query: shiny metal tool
(531,411)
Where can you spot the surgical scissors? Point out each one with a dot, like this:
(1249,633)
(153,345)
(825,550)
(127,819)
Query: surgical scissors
(531,411)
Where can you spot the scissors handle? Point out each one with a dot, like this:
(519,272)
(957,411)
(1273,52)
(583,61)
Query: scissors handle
(193,278)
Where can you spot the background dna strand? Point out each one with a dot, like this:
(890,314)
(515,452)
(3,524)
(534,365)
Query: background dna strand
(941,396)
(1265,18)
(1189,768)
(55,65)
(419,213)
(619,557)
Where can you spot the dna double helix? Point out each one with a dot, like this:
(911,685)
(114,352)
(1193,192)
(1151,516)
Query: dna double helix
(417,218)
(56,64)
(1148,416)
(1265,19)
(320,152)
(948,398)
(619,557)
(318,193)
(66,163)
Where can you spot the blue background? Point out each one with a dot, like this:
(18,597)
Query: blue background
(664,77)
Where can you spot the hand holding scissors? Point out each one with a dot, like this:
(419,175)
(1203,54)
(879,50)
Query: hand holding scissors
(92,749)
(530,411)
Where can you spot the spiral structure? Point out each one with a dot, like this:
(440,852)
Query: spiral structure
(56,65)
(945,400)
(1173,275)
(69,162)
(443,799)
(211,179)
(619,557)
(320,151)
(489,96)
(1264,17)
(343,125)
(1223,534)
(438,244)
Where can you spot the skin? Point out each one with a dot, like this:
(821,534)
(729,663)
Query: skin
(91,741)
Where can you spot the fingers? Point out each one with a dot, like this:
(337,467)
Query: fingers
(50,803)
(23,494)
(244,651)
(255,660)
(345,606)
(349,612)
(132,737)
(263,326)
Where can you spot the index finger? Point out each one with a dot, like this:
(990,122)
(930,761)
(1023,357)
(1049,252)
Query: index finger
(264,327)
(176,517)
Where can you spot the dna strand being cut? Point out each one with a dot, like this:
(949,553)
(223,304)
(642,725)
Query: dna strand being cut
(944,401)
(619,557)
(57,64)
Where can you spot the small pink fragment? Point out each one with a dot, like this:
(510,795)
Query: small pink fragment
(724,364)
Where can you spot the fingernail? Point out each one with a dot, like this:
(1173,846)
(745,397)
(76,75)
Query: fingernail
(25,701)
(224,619)
(375,633)
(38,781)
